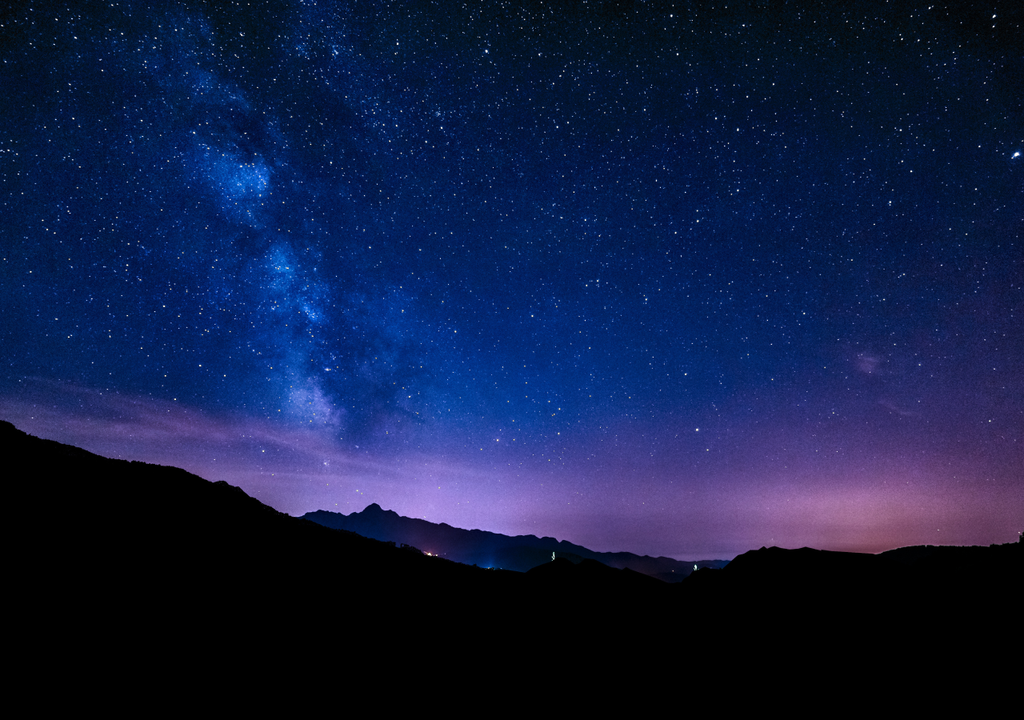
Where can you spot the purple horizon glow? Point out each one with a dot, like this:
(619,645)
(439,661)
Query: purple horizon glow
(872,508)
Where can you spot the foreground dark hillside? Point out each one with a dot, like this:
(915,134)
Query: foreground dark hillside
(155,554)
(152,562)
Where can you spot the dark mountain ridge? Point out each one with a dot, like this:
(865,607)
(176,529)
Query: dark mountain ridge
(494,550)
(129,507)
(153,565)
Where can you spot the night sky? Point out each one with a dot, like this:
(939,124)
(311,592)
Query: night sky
(682,279)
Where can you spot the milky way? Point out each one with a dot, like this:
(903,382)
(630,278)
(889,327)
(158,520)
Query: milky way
(676,278)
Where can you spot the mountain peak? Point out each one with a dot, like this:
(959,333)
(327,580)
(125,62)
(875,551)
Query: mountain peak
(375,510)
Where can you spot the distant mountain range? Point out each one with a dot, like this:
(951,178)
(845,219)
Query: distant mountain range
(493,550)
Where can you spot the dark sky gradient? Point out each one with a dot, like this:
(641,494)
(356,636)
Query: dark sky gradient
(679,278)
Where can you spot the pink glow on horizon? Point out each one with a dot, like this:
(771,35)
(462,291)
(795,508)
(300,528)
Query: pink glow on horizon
(663,511)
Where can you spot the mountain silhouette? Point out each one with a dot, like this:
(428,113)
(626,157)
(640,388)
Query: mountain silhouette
(130,575)
(493,550)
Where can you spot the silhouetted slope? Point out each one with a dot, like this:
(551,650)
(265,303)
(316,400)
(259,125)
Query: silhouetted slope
(487,549)
(933,607)
(129,537)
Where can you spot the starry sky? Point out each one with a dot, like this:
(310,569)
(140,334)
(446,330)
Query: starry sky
(679,278)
